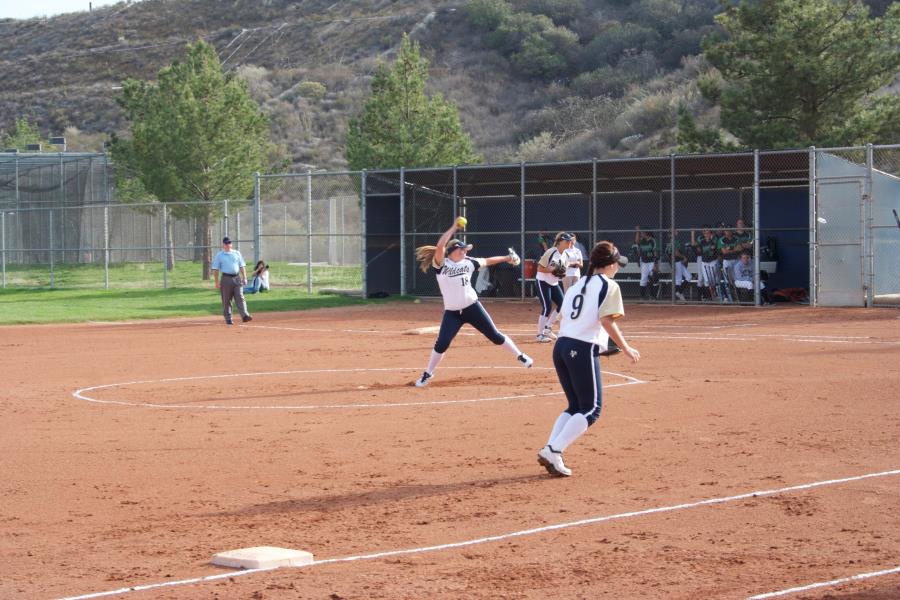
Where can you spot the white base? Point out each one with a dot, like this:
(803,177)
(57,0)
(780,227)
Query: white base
(262,557)
(423,330)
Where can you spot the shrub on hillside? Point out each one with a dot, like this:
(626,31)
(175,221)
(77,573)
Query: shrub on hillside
(537,149)
(488,14)
(608,46)
(537,58)
(649,113)
(312,90)
(561,12)
(605,81)
(508,37)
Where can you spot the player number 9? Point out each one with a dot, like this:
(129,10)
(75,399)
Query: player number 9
(577,303)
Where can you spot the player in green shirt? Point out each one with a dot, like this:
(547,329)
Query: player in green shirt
(648,254)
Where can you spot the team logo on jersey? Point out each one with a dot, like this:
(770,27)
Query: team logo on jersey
(455,271)
(573,353)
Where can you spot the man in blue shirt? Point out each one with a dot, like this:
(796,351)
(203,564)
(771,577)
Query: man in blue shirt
(234,277)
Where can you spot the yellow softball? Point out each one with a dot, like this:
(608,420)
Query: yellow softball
(461,222)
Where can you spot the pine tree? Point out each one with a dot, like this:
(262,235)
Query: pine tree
(802,72)
(400,126)
(196,137)
(22,134)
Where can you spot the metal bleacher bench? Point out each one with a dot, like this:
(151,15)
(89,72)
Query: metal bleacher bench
(631,273)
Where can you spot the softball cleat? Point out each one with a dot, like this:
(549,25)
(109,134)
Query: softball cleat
(552,461)
(526,360)
(424,379)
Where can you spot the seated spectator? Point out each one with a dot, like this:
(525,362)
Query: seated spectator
(730,249)
(743,280)
(259,279)
(744,236)
(707,251)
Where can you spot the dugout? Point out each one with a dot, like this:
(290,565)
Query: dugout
(510,205)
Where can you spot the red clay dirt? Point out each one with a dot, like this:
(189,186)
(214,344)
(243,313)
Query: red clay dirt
(302,430)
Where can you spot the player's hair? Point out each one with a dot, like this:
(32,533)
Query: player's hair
(425,256)
(558,237)
(602,254)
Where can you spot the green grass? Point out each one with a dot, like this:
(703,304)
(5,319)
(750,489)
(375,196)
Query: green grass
(184,275)
(19,306)
(136,292)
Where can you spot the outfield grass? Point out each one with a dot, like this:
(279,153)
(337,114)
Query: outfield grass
(184,275)
(136,292)
(59,306)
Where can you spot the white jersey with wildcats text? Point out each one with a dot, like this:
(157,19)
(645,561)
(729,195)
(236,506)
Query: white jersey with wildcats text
(455,281)
(581,312)
(573,255)
(550,257)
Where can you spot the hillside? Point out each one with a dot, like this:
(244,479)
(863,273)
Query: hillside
(309,65)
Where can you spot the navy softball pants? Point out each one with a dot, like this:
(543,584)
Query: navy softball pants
(578,368)
(549,295)
(474,315)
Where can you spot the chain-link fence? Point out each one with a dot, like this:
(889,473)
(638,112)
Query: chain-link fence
(814,225)
(628,202)
(311,224)
(117,245)
(884,224)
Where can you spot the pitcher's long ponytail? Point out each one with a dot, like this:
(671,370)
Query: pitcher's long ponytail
(425,256)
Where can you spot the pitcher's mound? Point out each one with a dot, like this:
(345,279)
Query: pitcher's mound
(422,330)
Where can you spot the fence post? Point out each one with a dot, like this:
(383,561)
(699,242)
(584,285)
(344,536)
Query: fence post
(593,238)
(362,233)
(62,205)
(106,247)
(51,249)
(402,231)
(3,243)
(309,230)
(870,228)
(225,220)
(522,234)
(165,247)
(257,220)
(813,230)
(756,246)
(672,224)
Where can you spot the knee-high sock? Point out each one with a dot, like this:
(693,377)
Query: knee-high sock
(561,421)
(570,432)
(552,318)
(433,361)
(511,346)
(542,320)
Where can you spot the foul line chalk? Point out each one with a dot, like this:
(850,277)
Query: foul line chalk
(821,584)
(697,335)
(524,532)
(81,394)
(153,586)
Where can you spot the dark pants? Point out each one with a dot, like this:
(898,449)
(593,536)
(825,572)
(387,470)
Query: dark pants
(578,368)
(474,315)
(230,286)
(550,295)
